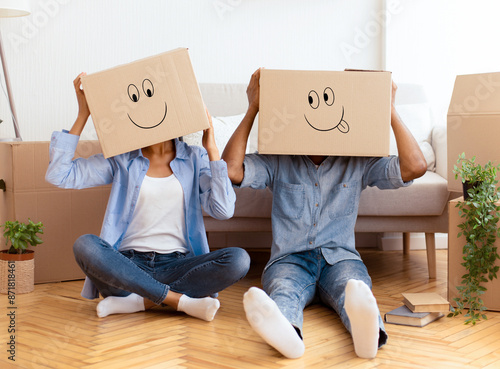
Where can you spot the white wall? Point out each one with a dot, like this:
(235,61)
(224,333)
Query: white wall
(228,40)
(431,41)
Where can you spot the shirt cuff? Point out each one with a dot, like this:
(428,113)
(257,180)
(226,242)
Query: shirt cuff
(218,169)
(64,141)
(248,172)
(394,173)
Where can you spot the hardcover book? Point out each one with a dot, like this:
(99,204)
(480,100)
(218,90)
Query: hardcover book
(426,303)
(404,316)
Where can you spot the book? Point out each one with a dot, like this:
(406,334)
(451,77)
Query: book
(426,303)
(404,316)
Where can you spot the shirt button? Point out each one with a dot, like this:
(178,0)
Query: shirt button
(317,205)
(314,224)
(345,185)
(310,242)
(316,184)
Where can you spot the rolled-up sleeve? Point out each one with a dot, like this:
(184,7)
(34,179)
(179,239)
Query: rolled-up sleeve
(79,173)
(384,173)
(258,172)
(216,192)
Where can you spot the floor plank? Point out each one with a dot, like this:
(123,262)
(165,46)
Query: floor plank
(56,328)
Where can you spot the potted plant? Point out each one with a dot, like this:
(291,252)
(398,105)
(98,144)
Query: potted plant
(17,262)
(480,212)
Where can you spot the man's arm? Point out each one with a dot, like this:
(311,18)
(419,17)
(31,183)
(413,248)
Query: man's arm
(234,152)
(411,160)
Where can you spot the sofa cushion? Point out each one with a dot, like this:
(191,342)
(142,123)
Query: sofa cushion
(224,128)
(418,119)
(428,195)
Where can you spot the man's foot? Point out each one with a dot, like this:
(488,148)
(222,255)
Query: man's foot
(120,305)
(267,320)
(203,308)
(362,310)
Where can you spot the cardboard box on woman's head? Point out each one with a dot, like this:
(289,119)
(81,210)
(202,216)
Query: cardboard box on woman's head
(145,102)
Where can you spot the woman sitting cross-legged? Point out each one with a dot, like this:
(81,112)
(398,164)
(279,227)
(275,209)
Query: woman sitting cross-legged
(153,247)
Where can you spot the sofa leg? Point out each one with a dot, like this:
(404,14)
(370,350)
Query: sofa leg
(430,245)
(406,243)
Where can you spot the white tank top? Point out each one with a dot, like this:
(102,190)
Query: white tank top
(158,222)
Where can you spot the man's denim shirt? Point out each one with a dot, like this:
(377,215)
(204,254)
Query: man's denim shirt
(204,183)
(318,206)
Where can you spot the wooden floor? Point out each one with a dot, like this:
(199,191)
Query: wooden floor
(56,328)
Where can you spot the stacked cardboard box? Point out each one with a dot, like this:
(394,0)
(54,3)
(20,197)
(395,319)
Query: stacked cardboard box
(66,214)
(491,297)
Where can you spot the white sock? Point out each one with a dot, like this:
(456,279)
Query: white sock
(362,310)
(119,305)
(267,320)
(204,308)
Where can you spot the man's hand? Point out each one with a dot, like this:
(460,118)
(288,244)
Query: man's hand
(253,91)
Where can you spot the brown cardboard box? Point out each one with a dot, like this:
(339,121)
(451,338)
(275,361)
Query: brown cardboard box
(325,113)
(455,270)
(473,121)
(145,102)
(66,214)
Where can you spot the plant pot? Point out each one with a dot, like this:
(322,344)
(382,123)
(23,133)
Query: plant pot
(466,186)
(17,272)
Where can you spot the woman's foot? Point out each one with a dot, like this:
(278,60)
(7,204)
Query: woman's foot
(120,305)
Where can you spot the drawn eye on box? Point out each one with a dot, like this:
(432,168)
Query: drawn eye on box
(145,96)
(315,116)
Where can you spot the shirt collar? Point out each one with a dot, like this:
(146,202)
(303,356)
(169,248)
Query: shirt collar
(180,150)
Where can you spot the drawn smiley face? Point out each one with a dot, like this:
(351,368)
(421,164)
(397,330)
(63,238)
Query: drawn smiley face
(316,102)
(135,95)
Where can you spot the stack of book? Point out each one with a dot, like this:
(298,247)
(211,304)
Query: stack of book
(419,309)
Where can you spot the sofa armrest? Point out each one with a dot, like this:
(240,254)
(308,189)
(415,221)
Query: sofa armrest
(438,142)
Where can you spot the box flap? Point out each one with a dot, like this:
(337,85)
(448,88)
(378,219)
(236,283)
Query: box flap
(476,94)
(473,122)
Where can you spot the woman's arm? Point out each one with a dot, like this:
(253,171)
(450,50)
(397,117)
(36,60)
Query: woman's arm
(83,108)
(234,153)
(208,140)
(65,172)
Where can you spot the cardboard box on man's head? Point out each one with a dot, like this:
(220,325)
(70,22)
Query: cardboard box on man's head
(145,102)
(344,113)
(473,122)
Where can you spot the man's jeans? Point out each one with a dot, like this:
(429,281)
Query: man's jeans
(152,275)
(295,280)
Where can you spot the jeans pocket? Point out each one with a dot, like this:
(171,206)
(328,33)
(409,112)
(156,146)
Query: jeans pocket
(288,200)
(342,199)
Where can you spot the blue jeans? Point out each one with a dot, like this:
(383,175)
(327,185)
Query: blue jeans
(296,280)
(152,275)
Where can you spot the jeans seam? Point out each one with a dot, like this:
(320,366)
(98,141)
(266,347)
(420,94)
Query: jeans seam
(301,293)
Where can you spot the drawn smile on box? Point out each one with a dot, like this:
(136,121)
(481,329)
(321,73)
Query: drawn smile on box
(329,99)
(133,93)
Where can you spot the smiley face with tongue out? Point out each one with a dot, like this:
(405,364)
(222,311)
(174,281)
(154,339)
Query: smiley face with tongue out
(318,104)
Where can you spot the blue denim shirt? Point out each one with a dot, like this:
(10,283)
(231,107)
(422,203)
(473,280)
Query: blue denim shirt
(204,183)
(317,206)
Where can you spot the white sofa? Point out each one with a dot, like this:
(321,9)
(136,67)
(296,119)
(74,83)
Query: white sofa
(417,208)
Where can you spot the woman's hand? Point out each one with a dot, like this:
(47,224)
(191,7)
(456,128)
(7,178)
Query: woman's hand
(83,108)
(208,140)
